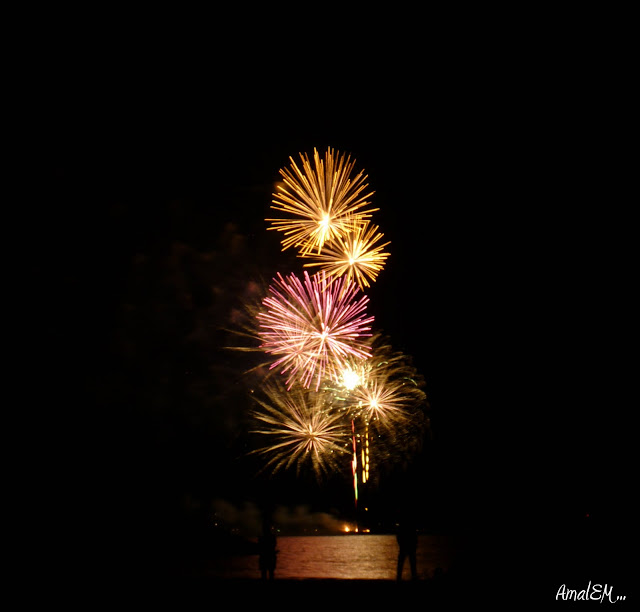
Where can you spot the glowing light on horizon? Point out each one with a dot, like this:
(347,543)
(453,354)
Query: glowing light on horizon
(323,200)
(313,326)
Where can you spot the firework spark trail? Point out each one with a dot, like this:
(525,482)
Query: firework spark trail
(383,395)
(313,326)
(324,201)
(354,463)
(299,427)
(354,255)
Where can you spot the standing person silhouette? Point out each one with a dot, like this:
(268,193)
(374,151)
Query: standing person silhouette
(407,537)
(267,551)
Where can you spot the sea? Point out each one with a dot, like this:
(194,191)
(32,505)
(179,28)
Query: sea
(357,557)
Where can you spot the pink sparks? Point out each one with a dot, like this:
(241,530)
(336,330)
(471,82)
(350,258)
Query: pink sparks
(313,326)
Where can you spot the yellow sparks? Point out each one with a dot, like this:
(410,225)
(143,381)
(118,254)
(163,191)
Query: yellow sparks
(324,202)
(298,427)
(355,255)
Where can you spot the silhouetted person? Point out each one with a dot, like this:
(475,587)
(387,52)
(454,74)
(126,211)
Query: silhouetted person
(407,537)
(267,551)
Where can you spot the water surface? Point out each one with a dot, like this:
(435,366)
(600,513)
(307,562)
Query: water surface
(358,557)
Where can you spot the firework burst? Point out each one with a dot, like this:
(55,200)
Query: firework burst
(387,402)
(332,389)
(300,428)
(385,389)
(312,326)
(323,201)
(382,398)
(354,255)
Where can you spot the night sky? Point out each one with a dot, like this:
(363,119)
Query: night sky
(498,193)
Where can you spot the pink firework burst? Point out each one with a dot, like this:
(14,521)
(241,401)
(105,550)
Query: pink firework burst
(313,325)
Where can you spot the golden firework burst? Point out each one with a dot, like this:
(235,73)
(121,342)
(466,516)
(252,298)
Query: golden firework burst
(323,201)
(355,255)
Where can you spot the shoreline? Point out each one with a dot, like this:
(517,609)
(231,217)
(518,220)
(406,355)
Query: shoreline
(297,592)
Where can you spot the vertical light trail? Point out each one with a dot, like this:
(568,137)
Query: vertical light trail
(354,463)
(365,454)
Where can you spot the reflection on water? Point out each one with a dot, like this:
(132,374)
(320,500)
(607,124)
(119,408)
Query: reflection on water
(371,557)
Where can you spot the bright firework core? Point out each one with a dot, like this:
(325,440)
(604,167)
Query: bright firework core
(350,379)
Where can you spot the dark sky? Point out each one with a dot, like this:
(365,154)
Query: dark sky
(497,190)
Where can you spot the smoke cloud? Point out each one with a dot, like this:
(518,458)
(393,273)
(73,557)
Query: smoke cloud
(297,520)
